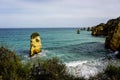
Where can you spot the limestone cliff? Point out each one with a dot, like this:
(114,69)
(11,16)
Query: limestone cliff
(113,38)
(35,44)
(112,32)
(112,29)
(98,30)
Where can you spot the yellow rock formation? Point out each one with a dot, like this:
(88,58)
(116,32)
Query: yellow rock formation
(35,44)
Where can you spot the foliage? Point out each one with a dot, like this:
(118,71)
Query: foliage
(51,69)
(35,34)
(11,67)
(111,72)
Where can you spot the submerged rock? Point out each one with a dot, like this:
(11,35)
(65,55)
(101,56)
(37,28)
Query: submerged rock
(35,44)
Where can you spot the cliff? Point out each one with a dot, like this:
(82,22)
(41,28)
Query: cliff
(112,32)
(98,30)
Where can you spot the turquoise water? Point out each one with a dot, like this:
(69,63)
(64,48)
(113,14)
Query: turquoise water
(63,43)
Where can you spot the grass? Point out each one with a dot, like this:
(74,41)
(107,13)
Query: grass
(11,68)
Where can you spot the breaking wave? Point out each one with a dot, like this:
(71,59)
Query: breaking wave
(85,68)
(39,55)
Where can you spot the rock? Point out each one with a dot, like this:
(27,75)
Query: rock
(113,39)
(112,32)
(98,30)
(88,29)
(83,28)
(35,44)
(1,77)
(78,31)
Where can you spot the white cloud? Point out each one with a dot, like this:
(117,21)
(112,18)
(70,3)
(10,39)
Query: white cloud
(45,13)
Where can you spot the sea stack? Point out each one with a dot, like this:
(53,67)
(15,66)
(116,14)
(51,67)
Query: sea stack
(78,31)
(35,44)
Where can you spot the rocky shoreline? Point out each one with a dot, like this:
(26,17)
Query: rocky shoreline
(111,30)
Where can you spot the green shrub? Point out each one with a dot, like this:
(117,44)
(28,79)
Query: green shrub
(55,68)
(113,72)
(35,34)
(51,69)
(11,67)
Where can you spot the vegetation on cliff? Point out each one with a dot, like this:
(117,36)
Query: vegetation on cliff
(35,34)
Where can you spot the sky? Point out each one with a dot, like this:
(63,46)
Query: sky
(56,13)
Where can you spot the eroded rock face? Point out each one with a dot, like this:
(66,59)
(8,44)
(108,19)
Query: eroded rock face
(115,41)
(113,38)
(112,29)
(89,29)
(78,31)
(35,44)
(98,30)
(112,32)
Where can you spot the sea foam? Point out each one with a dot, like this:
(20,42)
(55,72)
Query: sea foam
(85,68)
(41,54)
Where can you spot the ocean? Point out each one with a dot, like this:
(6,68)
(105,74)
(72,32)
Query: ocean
(73,49)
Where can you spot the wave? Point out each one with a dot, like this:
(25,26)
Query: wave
(85,68)
(89,68)
(39,55)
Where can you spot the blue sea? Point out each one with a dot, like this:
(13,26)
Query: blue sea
(64,43)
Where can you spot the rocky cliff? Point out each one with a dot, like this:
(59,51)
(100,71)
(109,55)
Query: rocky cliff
(112,32)
(98,30)
(35,44)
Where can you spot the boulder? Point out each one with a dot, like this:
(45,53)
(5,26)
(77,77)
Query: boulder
(35,44)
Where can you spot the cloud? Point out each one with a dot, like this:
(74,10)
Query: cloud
(56,13)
